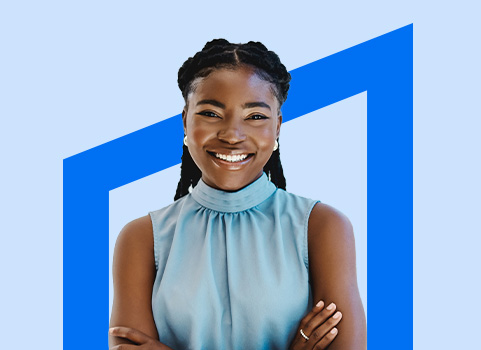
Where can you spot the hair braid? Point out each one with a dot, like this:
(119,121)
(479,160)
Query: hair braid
(189,174)
(217,54)
(273,169)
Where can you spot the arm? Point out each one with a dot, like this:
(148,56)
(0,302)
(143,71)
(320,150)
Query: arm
(133,276)
(332,268)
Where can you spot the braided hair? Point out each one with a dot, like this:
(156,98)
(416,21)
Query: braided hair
(218,54)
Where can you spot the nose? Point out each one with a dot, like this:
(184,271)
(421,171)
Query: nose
(231,131)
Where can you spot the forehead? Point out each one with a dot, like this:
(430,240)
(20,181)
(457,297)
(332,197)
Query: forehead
(235,86)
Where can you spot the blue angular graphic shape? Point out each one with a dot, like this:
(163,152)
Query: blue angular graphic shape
(383,67)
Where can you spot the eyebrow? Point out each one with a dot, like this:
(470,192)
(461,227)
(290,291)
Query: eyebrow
(255,104)
(211,102)
(244,106)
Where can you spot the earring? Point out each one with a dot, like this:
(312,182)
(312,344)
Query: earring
(276,146)
(185,141)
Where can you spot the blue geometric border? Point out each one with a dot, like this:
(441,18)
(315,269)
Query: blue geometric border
(383,67)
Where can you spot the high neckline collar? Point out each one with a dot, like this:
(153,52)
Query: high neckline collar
(231,202)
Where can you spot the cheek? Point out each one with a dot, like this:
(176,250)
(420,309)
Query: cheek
(198,134)
(265,137)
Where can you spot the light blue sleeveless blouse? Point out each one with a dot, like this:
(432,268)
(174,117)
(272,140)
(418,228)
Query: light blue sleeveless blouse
(232,268)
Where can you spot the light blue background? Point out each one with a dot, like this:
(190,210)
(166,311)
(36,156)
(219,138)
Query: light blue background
(78,74)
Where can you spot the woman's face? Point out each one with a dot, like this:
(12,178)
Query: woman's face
(231,120)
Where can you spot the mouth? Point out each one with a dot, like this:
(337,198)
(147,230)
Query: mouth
(231,158)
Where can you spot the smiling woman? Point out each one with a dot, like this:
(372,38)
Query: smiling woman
(236,262)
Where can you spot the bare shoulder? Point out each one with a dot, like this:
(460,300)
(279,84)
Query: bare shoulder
(134,253)
(332,270)
(329,232)
(331,246)
(329,224)
(136,234)
(133,273)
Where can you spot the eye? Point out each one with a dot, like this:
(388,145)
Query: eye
(258,117)
(209,114)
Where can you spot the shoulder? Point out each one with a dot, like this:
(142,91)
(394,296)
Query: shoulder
(133,273)
(136,234)
(327,224)
(331,246)
(134,248)
(142,225)
(332,270)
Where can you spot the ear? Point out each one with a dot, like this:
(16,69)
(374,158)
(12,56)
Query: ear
(279,122)
(184,119)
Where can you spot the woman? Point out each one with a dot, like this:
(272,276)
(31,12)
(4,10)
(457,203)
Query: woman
(236,261)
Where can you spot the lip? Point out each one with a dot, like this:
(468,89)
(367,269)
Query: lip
(229,152)
(229,165)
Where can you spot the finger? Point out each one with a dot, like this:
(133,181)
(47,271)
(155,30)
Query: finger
(319,318)
(315,310)
(327,340)
(320,332)
(131,334)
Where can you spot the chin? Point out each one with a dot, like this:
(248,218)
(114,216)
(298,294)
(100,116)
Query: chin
(231,182)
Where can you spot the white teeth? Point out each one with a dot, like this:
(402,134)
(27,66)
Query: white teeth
(231,158)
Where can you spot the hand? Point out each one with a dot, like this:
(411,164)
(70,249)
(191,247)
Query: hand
(144,342)
(319,326)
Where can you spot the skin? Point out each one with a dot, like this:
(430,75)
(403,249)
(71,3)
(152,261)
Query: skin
(231,112)
(332,268)
(236,112)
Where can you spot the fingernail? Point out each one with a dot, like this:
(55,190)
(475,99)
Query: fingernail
(330,307)
(334,331)
(319,303)
(336,315)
